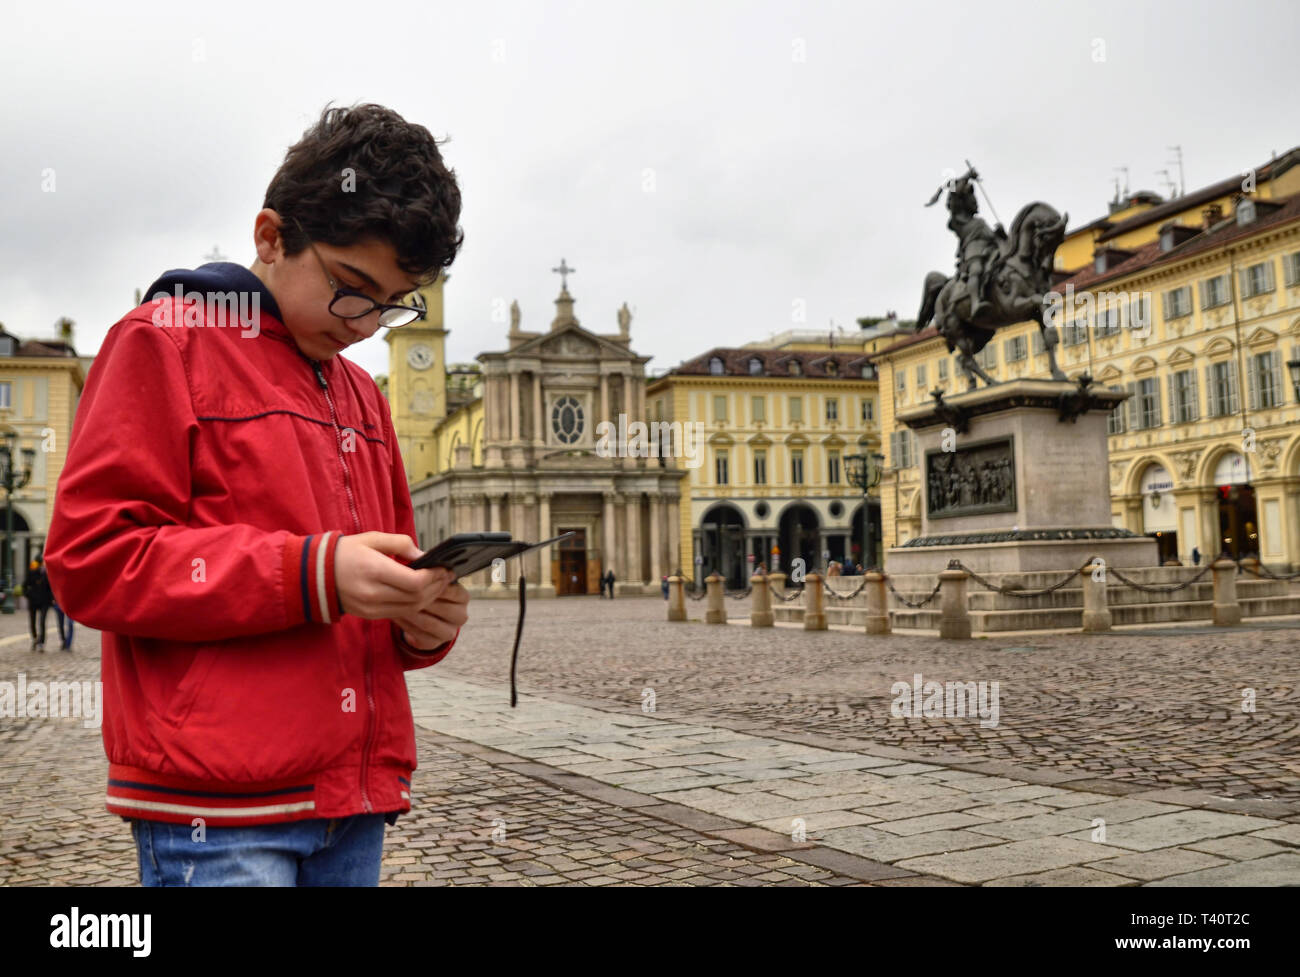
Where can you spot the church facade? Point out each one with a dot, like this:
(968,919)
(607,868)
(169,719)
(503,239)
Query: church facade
(516,443)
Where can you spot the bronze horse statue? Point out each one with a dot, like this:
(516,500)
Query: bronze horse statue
(1015,284)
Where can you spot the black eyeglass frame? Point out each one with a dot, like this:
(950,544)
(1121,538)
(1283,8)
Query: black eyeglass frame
(340,292)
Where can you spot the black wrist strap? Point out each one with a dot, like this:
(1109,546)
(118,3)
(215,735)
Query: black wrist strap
(519,630)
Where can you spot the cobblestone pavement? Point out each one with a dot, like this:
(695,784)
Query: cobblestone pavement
(1137,710)
(54,829)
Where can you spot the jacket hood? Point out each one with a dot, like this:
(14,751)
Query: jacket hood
(216,276)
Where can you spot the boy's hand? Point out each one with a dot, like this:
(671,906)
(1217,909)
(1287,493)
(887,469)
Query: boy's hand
(438,623)
(372,584)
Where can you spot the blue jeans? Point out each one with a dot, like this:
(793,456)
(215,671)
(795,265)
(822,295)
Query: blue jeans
(317,852)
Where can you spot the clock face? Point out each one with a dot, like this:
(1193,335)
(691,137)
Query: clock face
(420,356)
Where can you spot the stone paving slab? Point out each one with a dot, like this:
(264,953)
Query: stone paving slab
(1270,870)
(885,808)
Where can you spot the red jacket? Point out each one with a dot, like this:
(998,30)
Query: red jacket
(210,475)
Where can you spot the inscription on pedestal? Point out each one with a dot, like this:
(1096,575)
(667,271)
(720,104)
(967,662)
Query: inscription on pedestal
(975,479)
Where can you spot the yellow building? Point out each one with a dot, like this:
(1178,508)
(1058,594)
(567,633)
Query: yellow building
(1192,305)
(40,385)
(768,482)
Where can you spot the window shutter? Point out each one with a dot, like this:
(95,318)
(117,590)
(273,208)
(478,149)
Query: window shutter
(1205,294)
(1275,367)
(1174,414)
(1193,395)
(1243,282)
(1252,382)
(1212,395)
(1164,304)
(1268,275)
(1156,401)
(1234,404)
(1134,415)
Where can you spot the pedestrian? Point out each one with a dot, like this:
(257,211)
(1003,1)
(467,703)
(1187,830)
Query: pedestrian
(609,582)
(848,567)
(1196,555)
(36,588)
(247,573)
(834,569)
(762,568)
(65,633)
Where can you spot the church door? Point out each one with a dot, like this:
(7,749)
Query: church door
(572,563)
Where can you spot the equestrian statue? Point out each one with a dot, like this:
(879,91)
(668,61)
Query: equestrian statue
(1002,278)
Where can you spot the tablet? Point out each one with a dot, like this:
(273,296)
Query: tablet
(467,553)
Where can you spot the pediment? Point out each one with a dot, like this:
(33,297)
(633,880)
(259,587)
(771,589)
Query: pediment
(573,342)
(1180,356)
(1219,345)
(1262,337)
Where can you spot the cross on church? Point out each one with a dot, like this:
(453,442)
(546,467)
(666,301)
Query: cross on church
(564,271)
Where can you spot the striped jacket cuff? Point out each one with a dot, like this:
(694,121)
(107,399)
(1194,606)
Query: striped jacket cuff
(310,593)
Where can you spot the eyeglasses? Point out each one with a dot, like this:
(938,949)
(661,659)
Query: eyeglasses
(348,303)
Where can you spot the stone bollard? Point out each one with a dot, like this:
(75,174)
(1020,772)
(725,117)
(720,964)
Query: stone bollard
(760,611)
(777,582)
(676,599)
(877,604)
(715,613)
(1096,611)
(814,612)
(1227,612)
(954,616)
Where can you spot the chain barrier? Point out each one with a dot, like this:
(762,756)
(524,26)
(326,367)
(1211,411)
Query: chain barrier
(1011,591)
(742,594)
(793,595)
(915,605)
(1264,573)
(831,593)
(1147,588)
(700,596)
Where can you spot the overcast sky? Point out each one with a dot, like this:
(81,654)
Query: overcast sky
(711,163)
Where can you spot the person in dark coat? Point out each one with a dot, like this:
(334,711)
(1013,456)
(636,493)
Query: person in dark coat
(609,582)
(663,585)
(36,588)
(65,627)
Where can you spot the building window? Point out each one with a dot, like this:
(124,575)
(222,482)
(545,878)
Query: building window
(1221,387)
(1148,396)
(1139,312)
(1184,408)
(720,466)
(796,467)
(760,467)
(832,368)
(1076,332)
(832,409)
(1108,321)
(1016,349)
(1040,347)
(796,368)
(1257,279)
(987,357)
(755,367)
(943,370)
(715,366)
(566,420)
(796,410)
(6,394)
(720,407)
(833,468)
(1214,292)
(868,409)
(1178,302)
(900,449)
(758,408)
(1265,380)
(900,380)
(1115,419)
(1291,269)
(868,371)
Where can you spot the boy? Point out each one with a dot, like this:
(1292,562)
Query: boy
(232,517)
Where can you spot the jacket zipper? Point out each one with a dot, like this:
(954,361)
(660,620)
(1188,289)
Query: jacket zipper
(356,522)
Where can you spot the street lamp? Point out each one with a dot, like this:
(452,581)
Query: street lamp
(12,479)
(1294,367)
(864,471)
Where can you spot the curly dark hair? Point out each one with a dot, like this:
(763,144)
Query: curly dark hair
(399,191)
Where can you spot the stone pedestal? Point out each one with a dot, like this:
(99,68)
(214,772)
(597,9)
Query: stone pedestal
(1014,479)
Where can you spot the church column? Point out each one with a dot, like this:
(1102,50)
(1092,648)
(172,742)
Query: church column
(607,533)
(514,406)
(634,572)
(604,400)
(494,513)
(538,436)
(656,562)
(544,531)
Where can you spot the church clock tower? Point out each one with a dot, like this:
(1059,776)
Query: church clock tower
(417,382)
